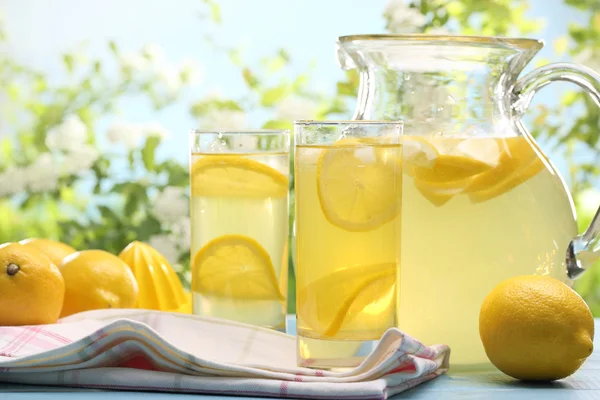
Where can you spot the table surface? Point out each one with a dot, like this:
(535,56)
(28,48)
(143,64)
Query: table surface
(583,385)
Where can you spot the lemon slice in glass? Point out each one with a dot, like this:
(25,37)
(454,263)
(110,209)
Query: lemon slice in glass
(235,176)
(237,267)
(358,185)
(359,299)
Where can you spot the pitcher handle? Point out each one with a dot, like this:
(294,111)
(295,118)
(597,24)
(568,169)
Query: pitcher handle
(583,249)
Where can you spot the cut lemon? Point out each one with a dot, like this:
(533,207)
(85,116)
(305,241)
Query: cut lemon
(237,267)
(236,176)
(438,196)
(448,168)
(483,168)
(510,182)
(358,185)
(457,160)
(357,299)
(484,150)
(418,152)
(516,154)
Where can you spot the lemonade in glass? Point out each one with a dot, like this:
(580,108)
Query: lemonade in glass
(348,184)
(239,218)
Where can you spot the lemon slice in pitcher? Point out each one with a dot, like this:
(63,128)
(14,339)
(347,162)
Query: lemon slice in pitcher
(418,152)
(515,153)
(357,299)
(236,176)
(521,175)
(518,163)
(237,267)
(438,196)
(457,161)
(357,189)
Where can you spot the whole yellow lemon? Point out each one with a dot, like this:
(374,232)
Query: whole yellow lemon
(53,249)
(536,328)
(31,287)
(96,279)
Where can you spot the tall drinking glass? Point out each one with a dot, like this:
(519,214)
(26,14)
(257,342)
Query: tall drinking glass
(348,184)
(239,222)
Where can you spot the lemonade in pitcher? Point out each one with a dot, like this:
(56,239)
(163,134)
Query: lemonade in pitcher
(462,233)
(239,210)
(347,233)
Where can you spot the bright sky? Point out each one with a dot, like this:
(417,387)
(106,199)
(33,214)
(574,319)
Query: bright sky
(40,30)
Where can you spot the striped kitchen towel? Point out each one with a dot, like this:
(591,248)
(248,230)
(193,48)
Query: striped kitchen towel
(157,351)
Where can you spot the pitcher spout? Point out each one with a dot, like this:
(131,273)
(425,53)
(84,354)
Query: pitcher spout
(434,83)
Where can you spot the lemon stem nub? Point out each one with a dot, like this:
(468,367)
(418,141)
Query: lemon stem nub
(12,269)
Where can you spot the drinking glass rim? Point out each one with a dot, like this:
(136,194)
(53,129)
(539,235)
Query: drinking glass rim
(239,131)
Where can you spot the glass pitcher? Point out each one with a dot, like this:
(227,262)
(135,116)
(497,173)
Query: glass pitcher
(480,201)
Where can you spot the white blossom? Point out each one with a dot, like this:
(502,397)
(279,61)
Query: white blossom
(155,128)
(11,181)
(171,77)
(80,159)
(402,18)
(589,58)
(42,175)
(192,70)
(224,120)
(171,205)
(439,30)
(182,230)
(153,51)
(214,93)
(187,276)
(70,134)
(165,245)
(293,108)
(126,133)
(133,62)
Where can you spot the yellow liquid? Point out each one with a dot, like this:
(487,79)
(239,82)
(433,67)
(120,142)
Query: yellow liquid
(264,219)
(334,264)
(453,254)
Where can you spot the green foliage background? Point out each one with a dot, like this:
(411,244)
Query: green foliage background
(110,204)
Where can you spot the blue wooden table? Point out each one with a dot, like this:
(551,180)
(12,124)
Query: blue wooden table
(583,385)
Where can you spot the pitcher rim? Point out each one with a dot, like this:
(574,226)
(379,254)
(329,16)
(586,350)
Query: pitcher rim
(524,43)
